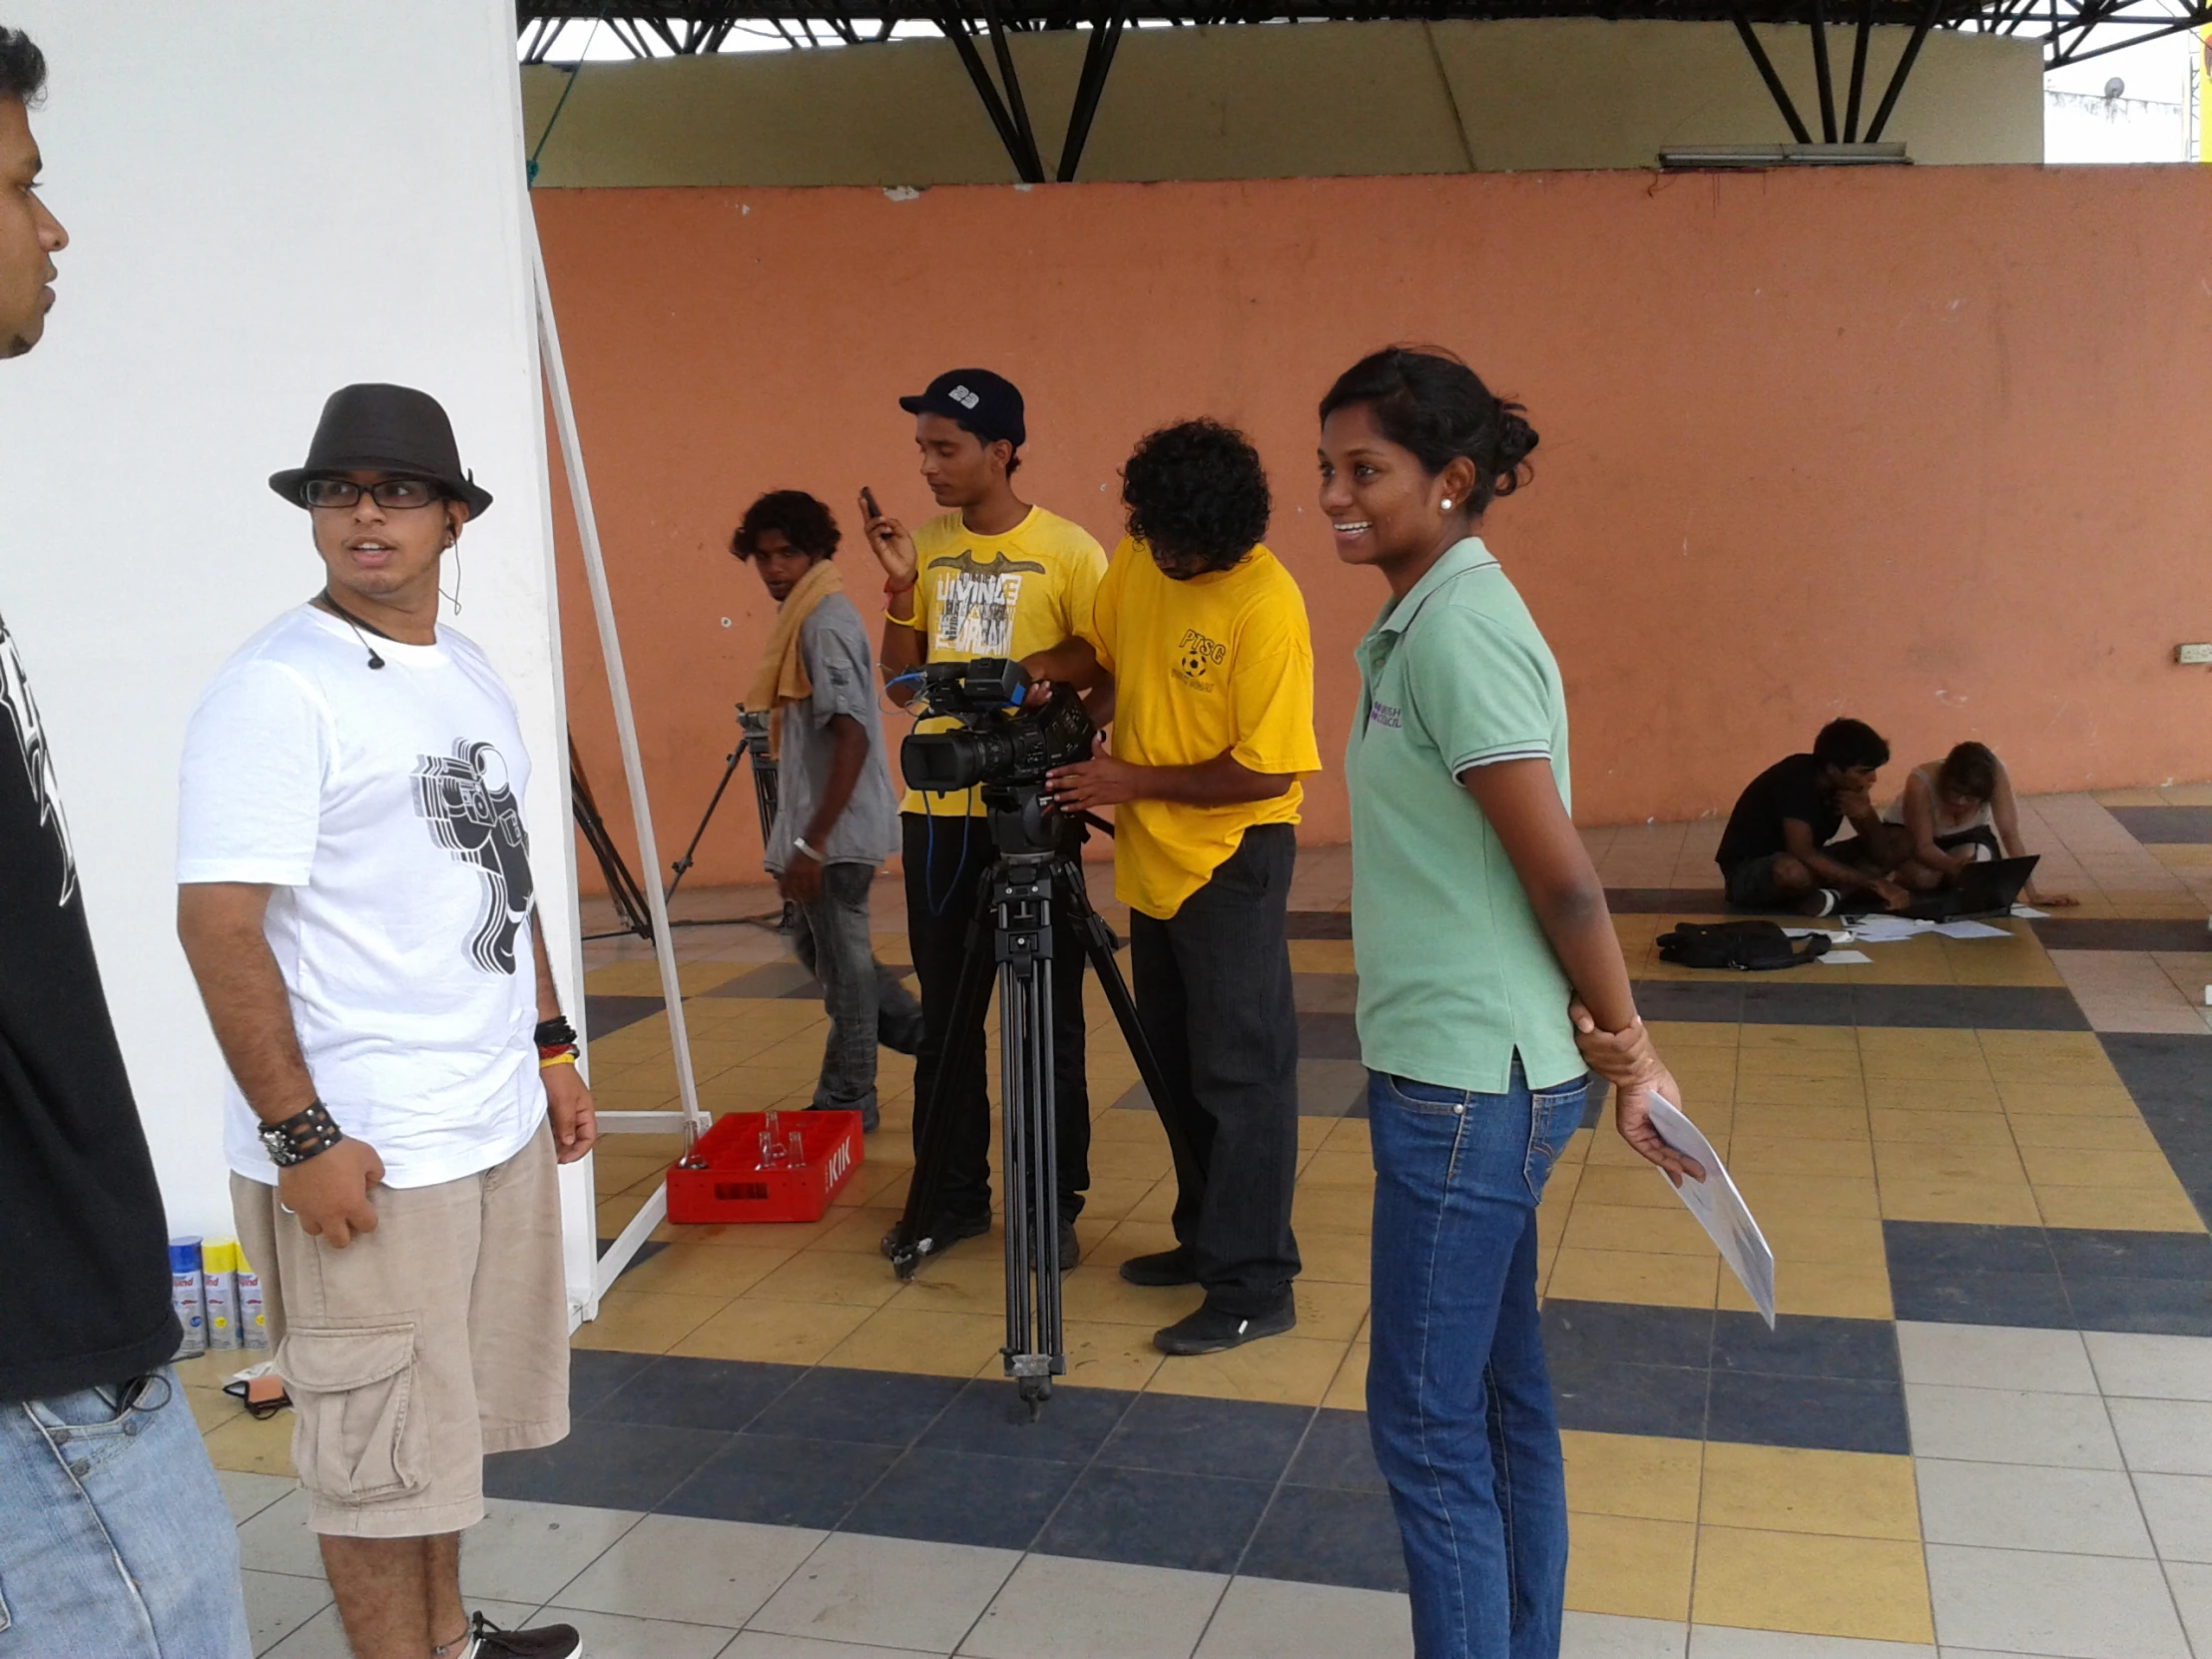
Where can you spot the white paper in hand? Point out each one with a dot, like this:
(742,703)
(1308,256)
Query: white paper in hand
(1719,1207)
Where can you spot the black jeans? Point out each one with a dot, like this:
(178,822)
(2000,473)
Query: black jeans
(945,864)
(1213,987)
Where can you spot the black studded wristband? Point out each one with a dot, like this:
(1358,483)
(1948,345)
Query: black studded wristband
(301,1136)
(555,1032)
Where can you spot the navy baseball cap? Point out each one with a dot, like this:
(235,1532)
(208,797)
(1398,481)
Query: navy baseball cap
(987,404)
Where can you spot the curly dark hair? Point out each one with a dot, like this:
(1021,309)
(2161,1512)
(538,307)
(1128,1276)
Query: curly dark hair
(1424,399)
(1197,490)
(22,67)
(1850,744)
(805,522)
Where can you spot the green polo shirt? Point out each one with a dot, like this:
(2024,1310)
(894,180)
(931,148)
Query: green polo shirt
(1455,974)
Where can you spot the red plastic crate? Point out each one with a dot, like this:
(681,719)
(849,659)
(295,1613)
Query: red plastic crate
(733,1187)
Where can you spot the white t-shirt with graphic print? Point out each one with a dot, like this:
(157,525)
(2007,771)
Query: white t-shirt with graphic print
(386,807)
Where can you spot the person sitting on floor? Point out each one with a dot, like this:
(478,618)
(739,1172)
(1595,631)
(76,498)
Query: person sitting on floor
(1776,852)
(1958,811)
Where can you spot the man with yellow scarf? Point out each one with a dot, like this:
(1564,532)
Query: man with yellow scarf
(835,817)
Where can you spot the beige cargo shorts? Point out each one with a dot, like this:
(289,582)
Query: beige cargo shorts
(419,1348)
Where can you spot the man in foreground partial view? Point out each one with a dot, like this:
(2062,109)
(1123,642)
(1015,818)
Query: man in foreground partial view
(357,904)
(114,1537)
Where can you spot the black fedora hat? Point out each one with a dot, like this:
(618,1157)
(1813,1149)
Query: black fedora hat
(378,428)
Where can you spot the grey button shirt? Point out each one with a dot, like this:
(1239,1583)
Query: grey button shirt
(842,664)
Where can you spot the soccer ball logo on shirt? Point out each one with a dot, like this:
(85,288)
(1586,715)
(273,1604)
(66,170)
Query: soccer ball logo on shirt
(1196,657)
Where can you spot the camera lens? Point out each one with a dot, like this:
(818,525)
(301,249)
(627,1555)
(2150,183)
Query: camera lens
(941,761)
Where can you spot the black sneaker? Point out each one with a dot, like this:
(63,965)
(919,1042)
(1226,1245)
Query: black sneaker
(1071,1249)
(1211,1330)
(548,1641)
(1161,1268)
(941,1234)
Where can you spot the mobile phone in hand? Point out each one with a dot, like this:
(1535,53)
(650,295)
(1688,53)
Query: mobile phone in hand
(868,500)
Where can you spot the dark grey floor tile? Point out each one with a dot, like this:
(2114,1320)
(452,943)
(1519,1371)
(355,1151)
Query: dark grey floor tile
(1615,1331)
(2166,825)
(1690,904)
(990,1417)
(1327,1037)
(2131,1255)
(1157,1519)
(1768,1001)
(678,1393)
(1802,1345)
(1326,993)
(608,1465)
(2078,933)
(780,1482)
(1710,1002)
(2163,1069)
(1930,1247)
(963,1497)
(1610,1398)
(1949,1296)
(1815,1413)
(1241,1439)
(594,1373)
(2018,1008)
(1931,1006)
(875,1407)
(1318,924)
(1330,1088)
(770,980)
(1339,1452)
(2148,1307)
(1315,1535)
(605,1015)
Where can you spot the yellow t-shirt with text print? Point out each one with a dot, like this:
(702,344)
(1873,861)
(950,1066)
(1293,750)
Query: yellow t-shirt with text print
(998,596)
(1220,663)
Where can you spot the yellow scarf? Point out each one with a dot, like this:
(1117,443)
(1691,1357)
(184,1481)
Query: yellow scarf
(782,677)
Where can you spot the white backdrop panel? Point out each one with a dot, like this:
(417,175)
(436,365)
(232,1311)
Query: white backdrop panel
(269,198)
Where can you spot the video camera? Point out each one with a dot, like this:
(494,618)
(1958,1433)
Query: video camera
(1000,745)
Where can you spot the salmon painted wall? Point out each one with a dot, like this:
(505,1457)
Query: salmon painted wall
(1922,445)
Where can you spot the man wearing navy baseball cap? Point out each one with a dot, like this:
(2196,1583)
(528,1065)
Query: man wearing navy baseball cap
(992,575)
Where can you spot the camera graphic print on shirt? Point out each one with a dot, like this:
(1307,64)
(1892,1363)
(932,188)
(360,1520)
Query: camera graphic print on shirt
(471,811)
(20,710)
(976,602)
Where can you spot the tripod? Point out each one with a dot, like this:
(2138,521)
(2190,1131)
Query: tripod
(621,886)
(1015,910)
(752,743)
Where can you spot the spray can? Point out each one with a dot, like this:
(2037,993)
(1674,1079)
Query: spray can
(189,1296)
(253,1317)
(219,1261)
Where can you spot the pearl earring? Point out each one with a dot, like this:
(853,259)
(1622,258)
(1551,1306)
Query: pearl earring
(1447,503)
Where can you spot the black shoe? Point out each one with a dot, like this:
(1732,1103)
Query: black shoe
(548,1641)
(1211,1328)
(941,1234)
(1161,1268)
(1071,1249)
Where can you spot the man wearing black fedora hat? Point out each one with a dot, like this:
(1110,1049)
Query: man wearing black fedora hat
(356,902)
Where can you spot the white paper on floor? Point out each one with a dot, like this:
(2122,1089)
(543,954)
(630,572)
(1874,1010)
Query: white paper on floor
(1720,1209)
(2029,912)
(1844,958)
(1972,931)
(1889,929)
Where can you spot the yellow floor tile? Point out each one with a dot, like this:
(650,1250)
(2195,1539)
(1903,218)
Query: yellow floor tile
(1998,1165)
(1631,1566)
(1816,1195)
(1637,1185)
(1800,1091)
(2042,1047)
(834,1276)
(1329,1312)
(1339,1257)
(1875,1589)
(212,1408)
(2009,1204)
(1800,1040)
(1098,1295)
(2125,1209)
(2102,1134)
(1112,1200)
(1320,956)
(1311,1132)
(1796,1062)
(2064,1099)
(614,1172)
(859,1229)
(1853,1494)
(1629,1275)
(971,1280)
(1332,1208)
(1833,1241)
(1352,1169)
(2086,1167)
(922,1342)
(1802,1122)
(1824,1290)
(1894,1127)
(1671,1035)
(1158,1203)
(703,1270)
(1632,1474)
(1799,1155)
(1130,1160)
(1672,1232)
(1348,1389)
(612,1215)
(639,1322)
(1108,1355)
(247,1446)
(1292,1370)
(1350,1135)
(787,1235)
(786,1332)
(1944,1090)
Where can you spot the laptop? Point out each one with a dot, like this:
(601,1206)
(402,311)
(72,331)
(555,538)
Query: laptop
(1983,890)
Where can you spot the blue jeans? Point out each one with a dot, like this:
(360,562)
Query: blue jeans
(113,1536)
(1459,1401)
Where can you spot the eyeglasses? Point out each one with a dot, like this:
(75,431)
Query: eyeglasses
(388,492)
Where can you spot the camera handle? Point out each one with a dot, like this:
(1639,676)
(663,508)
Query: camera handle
(1014,911)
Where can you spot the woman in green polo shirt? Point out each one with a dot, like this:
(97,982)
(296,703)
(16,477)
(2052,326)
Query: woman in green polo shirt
(1476,921)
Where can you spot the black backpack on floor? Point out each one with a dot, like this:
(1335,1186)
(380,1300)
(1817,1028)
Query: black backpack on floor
(1749,946)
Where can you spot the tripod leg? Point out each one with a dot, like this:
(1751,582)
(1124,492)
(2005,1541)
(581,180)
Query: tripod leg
(1099,943)
(1021,897)
(903,1244)
(683,866)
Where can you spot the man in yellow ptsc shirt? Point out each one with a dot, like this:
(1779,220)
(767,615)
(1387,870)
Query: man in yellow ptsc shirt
(991,577)
(1198,647)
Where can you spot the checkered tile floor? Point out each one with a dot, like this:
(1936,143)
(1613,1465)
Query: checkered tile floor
(1984,1423)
